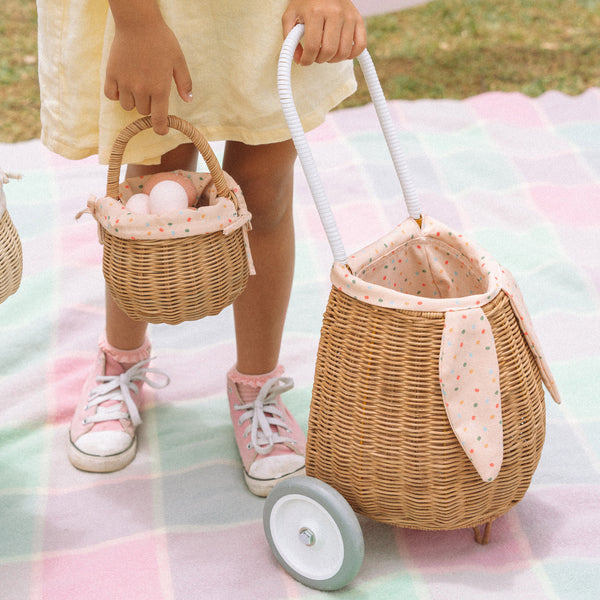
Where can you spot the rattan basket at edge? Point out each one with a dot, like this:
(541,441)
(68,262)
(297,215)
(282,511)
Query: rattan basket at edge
(11,252)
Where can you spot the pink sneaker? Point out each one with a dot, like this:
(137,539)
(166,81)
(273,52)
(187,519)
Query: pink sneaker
(102,436)
(270,442)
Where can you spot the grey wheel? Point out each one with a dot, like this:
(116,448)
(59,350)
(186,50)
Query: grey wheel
(314,533)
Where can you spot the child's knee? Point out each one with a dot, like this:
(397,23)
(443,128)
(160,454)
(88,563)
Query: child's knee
(265,175)
(270,206)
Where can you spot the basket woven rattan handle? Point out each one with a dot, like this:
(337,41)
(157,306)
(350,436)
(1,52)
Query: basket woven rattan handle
(305,154)
(116,155)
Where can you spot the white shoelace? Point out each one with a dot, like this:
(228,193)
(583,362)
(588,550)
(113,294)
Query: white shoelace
(119,389)
(263,415)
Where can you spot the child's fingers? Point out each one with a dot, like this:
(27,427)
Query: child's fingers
(126,100)
(313,36)
(298,53)
(359,40)
(183,80)
(306,52)
(159,113)
(142,104)
(342,45)
(346,44)
(331,40)
(111,89)
(289,20)
(334,30)
(352,41)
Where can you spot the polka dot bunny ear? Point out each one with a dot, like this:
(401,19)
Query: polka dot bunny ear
(470,383)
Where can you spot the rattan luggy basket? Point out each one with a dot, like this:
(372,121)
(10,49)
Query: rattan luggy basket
(178,267)
(11,252)
(428,407)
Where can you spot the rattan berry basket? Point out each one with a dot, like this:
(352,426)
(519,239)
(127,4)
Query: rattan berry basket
(177,267)
(428,408)
(11,252)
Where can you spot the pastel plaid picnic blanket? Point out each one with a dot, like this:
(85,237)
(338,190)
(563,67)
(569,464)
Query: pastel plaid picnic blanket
(520,176)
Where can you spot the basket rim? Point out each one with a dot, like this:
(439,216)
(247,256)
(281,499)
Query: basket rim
(346,276)
(114,218)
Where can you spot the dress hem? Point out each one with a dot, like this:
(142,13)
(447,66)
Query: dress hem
(153,152)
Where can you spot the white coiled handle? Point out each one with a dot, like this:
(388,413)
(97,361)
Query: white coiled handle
(305,155)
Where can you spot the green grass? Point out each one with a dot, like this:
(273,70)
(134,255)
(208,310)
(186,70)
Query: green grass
(19,90)
(460,48)
(443,49)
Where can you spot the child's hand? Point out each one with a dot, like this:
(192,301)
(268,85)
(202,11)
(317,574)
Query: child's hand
(144,58)
(334,30)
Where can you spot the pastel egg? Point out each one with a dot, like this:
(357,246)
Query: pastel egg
(183,181)
(139,204)
(167,196)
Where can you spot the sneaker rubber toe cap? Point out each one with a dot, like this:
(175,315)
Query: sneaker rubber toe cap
(104,443)
(274,467)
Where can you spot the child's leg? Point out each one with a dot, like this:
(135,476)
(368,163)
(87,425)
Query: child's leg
(270,442)
(102,435)
(265,175)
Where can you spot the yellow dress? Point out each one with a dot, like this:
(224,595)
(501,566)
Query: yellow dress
(231,48)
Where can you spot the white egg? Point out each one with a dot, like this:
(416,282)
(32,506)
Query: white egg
(138,203)
(167,196)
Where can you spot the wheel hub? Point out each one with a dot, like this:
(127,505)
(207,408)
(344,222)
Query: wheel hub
(307,536)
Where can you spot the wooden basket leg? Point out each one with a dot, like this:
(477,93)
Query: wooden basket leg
(482,533)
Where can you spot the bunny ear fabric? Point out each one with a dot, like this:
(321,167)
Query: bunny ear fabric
(511,289)
(470,384)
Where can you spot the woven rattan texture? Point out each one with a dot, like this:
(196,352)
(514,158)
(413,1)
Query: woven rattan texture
(182,279)
(171,281)
(378,430)
(11,258)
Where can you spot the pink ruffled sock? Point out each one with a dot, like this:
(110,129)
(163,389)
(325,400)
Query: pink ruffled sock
(127,358)
(249,385)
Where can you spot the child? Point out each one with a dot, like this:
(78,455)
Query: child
(228,49)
